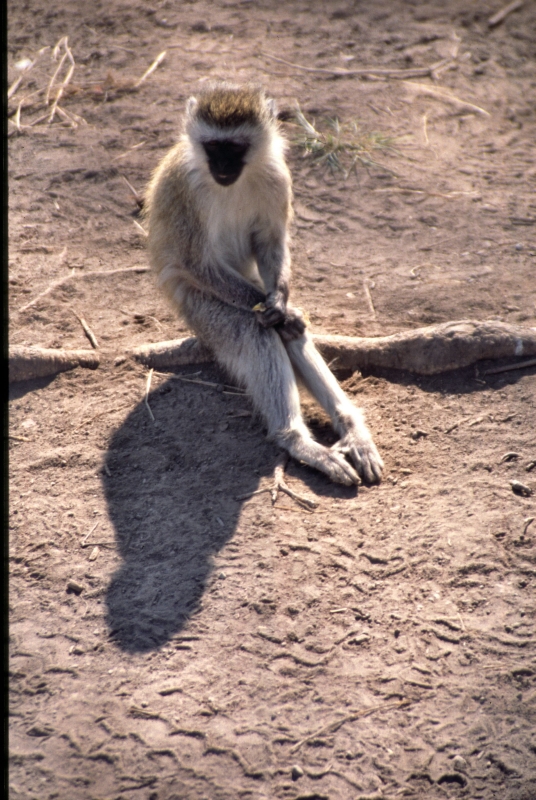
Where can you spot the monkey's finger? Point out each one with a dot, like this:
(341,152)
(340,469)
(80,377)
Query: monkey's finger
(271,317)
(341,471)
(368,462)
(295,327)
(291,329)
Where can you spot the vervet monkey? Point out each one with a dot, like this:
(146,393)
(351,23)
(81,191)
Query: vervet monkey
(218,209)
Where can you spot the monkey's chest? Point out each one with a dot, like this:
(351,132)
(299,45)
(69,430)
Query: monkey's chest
(231,243)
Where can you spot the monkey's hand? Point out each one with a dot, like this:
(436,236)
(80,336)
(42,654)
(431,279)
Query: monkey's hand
(273,311)
(293,326)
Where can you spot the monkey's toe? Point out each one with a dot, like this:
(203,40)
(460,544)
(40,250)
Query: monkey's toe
(364,456)
(340,471)
(330,462)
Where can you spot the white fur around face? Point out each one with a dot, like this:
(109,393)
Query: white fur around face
(231,213)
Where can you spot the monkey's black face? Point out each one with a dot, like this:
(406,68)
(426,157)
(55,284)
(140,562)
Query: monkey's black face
(225,159)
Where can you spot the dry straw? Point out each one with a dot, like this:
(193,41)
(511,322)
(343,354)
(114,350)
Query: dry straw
(340,146)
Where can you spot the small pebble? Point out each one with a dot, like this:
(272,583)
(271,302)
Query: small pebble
(94,554)
(297,772)
(459,764)
(520,489)
(418,434)
(519,246)
(76,588)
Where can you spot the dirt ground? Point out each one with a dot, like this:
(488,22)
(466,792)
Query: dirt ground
(169,639)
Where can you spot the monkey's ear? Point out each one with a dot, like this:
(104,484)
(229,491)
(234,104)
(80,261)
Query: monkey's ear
(191,106)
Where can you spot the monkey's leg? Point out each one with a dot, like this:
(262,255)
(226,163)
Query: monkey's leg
(257,359)
(347,420)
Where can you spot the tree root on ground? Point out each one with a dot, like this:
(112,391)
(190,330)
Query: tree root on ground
(424,351)
(26,363)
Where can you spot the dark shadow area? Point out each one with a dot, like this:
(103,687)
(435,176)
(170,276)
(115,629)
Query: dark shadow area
(455,382)
(171,487)
(18,389)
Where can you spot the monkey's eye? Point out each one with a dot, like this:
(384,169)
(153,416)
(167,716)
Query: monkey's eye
(226,148)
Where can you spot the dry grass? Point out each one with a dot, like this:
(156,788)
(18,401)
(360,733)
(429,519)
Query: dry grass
(340,146)
(61,87)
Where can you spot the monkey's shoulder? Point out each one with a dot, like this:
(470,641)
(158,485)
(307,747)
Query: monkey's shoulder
(171,175)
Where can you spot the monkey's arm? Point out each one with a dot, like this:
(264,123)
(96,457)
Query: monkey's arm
(224,283)
(273,260)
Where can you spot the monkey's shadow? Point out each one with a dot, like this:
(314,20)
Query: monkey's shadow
(171,486)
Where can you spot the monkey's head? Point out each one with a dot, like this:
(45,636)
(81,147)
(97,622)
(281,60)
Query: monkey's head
(231,125)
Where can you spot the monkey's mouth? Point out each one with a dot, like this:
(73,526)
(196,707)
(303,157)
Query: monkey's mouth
(224,179)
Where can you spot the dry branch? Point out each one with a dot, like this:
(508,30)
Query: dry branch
(425,351)
(445,96)
(87,330)
(280,485)
(174,353)
(26,363)
(418,72)
(501,15)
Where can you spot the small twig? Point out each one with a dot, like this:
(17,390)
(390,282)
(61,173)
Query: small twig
(158,60)
(279,485)
(441,94)
(19,438)
(425,128)
(55,52)
(16,119)
(87,330)
(15,85)
(124,155)
(140,227)
(526,524)
(70,117)
(99,544)
(455,425)
(408,190)
(420,72)
(67,55)
(248,495)
(531,362)
(147,390)
(86,537)
(136,194)
(501,15)
(366,284)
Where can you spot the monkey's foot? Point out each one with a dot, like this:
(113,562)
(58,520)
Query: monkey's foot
(330,462)
(363,454)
